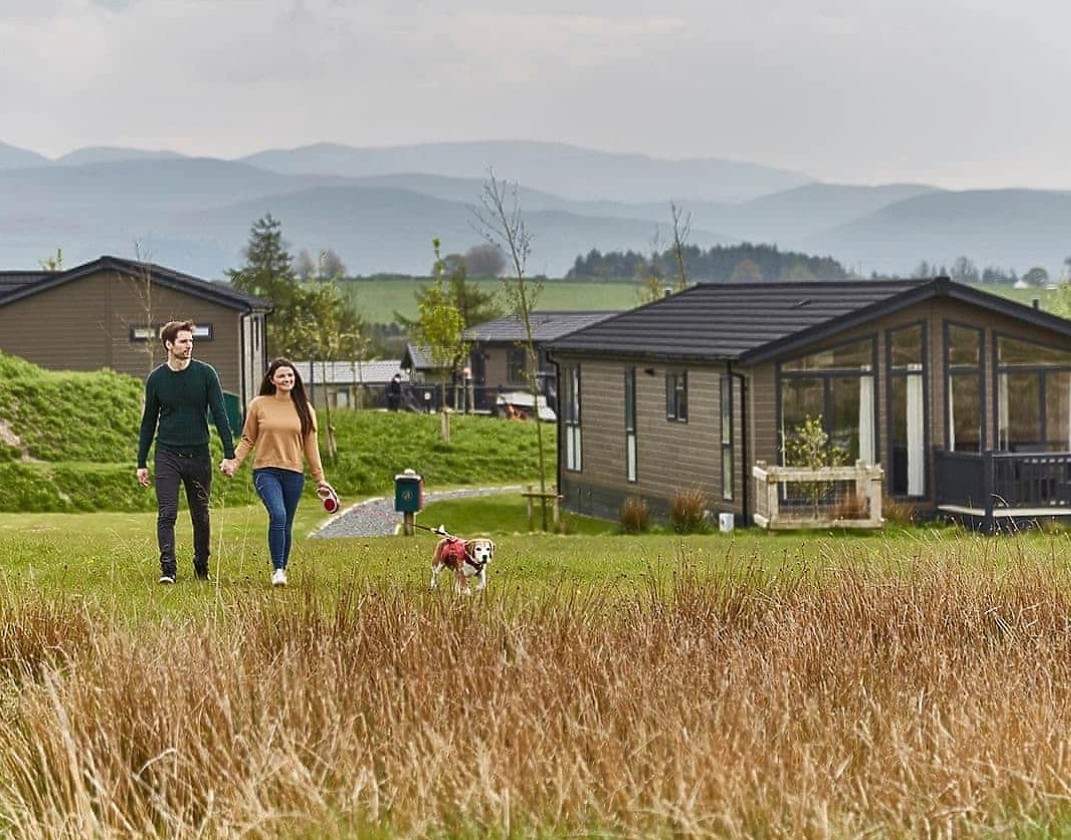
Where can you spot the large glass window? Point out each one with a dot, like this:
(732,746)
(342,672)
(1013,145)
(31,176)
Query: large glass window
(1033,384)
(837,385)
(570,405)
(906,469)
(963,352)
(630,424)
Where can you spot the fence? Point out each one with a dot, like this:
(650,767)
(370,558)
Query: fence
(801,497)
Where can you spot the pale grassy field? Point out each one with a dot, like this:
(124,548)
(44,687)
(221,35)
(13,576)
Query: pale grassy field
(908,684)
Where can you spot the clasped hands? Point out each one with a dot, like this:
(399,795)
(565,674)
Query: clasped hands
(228,466)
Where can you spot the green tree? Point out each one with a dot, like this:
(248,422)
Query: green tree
(329,329)
(1037,277)
(440,325)
(475,305)
(54,262)
(268,274)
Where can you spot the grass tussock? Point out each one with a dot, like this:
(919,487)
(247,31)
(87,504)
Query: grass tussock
(634,516)
(929,699)
(688,511)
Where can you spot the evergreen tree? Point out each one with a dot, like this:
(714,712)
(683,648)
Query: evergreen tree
(269,274)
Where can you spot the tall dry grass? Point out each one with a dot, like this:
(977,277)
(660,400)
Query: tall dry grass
(930,699)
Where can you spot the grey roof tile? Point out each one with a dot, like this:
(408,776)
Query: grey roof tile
(752,321)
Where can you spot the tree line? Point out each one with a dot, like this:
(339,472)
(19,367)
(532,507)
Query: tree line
(721,263)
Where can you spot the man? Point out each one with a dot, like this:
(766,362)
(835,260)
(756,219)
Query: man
(394,393)
(178,396)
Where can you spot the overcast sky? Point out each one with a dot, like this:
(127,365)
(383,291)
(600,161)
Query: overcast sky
(955,93)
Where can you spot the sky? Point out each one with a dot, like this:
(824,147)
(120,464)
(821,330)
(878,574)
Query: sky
(959,94)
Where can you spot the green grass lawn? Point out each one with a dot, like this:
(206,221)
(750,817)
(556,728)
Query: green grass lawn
(111,558)
(378,299)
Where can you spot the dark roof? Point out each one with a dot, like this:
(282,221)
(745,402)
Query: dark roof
(417,357)
(753,322)
(15,285)
(10,280)
(546,326)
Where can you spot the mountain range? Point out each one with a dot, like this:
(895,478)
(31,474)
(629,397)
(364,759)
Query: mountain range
(380,208)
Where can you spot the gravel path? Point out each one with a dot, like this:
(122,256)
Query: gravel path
(377,517)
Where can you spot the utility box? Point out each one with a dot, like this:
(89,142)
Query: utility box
(408,492)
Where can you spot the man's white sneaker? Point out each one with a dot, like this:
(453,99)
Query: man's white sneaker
(166,579)
(278,577)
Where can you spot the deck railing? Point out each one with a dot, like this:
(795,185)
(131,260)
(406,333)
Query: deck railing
(988,486)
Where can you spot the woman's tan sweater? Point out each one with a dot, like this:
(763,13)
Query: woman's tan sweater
(273,429)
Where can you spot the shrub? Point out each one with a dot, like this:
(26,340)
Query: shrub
(634,516)
(688,514)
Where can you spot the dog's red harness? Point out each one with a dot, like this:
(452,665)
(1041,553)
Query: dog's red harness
(457,550)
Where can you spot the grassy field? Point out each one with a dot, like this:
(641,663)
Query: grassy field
(914,682)
(377,299)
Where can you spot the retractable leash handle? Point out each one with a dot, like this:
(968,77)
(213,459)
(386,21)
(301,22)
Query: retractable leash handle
(329,497)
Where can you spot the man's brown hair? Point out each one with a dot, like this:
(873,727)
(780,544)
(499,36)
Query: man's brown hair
(170,330)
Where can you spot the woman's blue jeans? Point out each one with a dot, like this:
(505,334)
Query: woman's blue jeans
(280,490)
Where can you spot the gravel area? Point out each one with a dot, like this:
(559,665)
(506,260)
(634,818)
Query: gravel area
(378,518)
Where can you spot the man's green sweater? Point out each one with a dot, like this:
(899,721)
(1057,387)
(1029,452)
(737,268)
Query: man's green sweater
(177,404)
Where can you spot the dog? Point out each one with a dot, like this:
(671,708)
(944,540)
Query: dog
(467,558)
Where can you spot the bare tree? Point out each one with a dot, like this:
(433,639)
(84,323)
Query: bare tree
(682,226)
(653,286)
(142,287)
(502,225)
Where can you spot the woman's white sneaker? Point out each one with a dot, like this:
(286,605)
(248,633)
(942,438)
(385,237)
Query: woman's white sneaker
(278,577)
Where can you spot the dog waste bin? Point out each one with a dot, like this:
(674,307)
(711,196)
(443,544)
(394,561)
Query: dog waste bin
(408,497)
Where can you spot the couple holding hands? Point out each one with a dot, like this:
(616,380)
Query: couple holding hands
(280,429)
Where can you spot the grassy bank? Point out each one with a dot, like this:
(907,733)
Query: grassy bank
(68,442)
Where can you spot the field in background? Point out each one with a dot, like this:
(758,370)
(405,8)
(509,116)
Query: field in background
(377,299)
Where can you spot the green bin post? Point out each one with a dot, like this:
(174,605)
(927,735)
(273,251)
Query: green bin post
(408,498)
(233,406)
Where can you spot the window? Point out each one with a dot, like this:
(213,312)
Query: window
(570,405)
(837,385)
(907,411)
(630,424)
(963,354)
(727,438)
(677,396)
(1033,397)
(516,366)
(201,332)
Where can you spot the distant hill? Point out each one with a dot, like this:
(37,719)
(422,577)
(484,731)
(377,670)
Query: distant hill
(12,157)
(379,209)
(112,154)
(391,230)
(1003,228)
(571,172)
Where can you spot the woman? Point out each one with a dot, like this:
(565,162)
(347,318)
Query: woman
(280,425)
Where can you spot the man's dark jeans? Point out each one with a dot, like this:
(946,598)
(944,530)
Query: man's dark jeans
(195,474)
